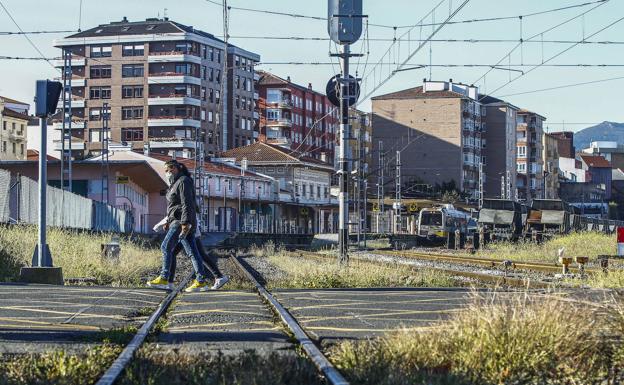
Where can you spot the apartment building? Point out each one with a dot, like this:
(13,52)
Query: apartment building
(160,84)
(530,161)
(498,148)
(362,145)
(13,125)
(296,117)
(612,151)
(565,143)
(242,97)
(438,129)
(550,148)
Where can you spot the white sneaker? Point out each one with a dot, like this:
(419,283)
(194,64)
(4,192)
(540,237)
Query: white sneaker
(219,282)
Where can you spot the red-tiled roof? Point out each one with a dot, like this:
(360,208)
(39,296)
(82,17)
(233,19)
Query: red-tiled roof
(417,93)
(34,155)
(595,161)
(14,114)
(210,167)
(265,152)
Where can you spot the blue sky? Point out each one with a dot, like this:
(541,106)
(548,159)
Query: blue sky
(589,103)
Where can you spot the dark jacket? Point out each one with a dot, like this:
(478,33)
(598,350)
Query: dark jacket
(181,201)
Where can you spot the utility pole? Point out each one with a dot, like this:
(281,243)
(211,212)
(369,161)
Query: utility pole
(344,19)
(66,136)
(502,187)
(480,185)
(397,198)
(382,160)
(104,151)
(508,185)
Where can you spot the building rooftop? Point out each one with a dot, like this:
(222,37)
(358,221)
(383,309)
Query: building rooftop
(417,93)
(595,161)
(12,101)
(14,114)
(269,79)
(34,155)
(261,152)
(213,168)
(150,26)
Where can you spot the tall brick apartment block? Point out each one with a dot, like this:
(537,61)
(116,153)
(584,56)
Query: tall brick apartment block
(438,129)
(530,162)
(297,117)
(164,84)
(499,148)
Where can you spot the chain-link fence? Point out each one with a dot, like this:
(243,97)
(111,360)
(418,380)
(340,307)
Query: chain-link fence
(19,203)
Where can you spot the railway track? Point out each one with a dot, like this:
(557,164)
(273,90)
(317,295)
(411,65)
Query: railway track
(550,268)
(325,367)
(496,279)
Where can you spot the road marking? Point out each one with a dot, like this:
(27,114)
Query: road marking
(33,324)
(351,303)
(219,324)
(89,315)
(84,309)
(337,329)
(402,312)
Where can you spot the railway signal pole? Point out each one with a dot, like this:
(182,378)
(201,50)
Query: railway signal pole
(344,25)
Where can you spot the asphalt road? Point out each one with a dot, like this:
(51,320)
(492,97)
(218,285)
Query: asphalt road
(38,318)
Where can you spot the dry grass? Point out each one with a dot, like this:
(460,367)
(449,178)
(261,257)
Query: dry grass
(522,341)
(153,366)
(589,244)
(303,272)
(79,255)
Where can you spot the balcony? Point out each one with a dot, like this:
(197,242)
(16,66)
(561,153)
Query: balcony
(77,145)
(75,125)
(76,61)
(162,100)
(17,136)
(279,123)
(171,143)
(173,78)
(285,103)
(173,57)
(173,121)
(76,103)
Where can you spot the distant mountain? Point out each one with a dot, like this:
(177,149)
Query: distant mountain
(610,131)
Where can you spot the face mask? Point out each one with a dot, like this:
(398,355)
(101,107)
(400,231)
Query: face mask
(169,178)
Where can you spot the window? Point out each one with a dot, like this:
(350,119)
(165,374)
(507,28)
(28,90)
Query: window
(521,167)
(134,134)
(210,118)
(100,72)
(202,73)
(521,151)
(218,76)
(100,93)
(133,50)
(273,114)
(211,53)
(183,68)
(99,113)
(183,47)
(129,113)
(217,96)
(132,70)
(211,74)
(203,93)
(274,96)
(101,51)
(128,92)
(211,95)
(237,122)
(237,82)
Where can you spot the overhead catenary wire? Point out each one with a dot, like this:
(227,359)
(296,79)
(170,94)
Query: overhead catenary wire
(420,24)
(539,34)
(26,36)
(563,86)
(557,54)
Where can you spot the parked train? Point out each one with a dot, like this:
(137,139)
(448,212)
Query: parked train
(436,223)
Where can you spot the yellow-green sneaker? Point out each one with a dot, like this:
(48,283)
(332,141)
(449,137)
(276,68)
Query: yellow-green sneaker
(197,286)
(160,283)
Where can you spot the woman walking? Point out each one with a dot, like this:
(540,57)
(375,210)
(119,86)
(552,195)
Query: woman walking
(180,227)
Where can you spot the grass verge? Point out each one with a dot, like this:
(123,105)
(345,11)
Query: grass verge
(79,255)
(302,272)
(586,243)
(519,341)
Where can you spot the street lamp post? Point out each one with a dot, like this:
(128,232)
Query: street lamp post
(258,211)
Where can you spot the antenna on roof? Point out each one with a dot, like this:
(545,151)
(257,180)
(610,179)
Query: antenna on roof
(165,15)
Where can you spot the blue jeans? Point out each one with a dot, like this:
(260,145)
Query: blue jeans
(190,247)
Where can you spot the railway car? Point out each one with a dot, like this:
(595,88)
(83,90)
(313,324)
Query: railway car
(435,223)
(548,217)
(501,219)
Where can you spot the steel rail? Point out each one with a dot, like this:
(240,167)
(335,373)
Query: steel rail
(124,358)
(530,266)
(494,280)
(318,358)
